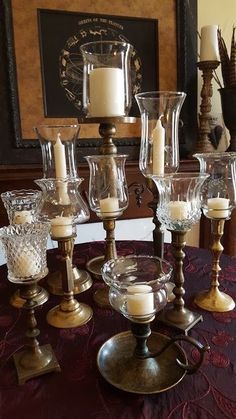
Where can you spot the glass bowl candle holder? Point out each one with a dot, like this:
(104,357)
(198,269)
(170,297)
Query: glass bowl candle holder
(25,247)
(218,197)
(106,78)
(23,206)
(58,146)
(142,361)
(179,208)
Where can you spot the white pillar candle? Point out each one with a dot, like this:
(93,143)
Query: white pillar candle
(106,92)
(219,207)
(22,217)
(209,50)
(178,210)
(158,149)
(109,206)
(140,300)
(61,227)
(26,263)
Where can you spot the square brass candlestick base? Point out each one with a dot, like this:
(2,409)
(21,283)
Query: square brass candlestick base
(185,324)
(25,374)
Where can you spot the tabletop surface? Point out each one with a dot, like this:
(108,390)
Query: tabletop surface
(80,392)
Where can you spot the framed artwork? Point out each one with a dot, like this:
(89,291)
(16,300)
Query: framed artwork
(44,82)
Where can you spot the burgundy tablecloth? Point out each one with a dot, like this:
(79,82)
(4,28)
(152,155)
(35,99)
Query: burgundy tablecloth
(79,391)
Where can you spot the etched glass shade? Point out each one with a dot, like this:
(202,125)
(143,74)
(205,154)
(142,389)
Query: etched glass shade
(22,205)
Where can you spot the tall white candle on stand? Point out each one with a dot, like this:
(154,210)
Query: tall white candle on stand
(140,300)
(109,206)
(106,92)
(158,149)
(218,207)
(60,169)
(209,50)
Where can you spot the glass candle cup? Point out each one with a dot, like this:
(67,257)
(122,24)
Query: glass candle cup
(22,205)
(25,248)
(58,146)
(218,193)
(108,193)
(137,285)
(106,78)
(159,149)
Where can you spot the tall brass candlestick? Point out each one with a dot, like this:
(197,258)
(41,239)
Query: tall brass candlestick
(214,299)
(203,144)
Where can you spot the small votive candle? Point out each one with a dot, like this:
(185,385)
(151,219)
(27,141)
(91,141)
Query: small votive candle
(218,207)
(22,217)
(140,300)
(178,210)
(109,206)
(26,265)
(61,227)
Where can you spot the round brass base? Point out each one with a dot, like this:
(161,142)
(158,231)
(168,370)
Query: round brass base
(40,298)
(65,319)
(123,370)
(82,282)
(101,297)
(94,267)
(214,300)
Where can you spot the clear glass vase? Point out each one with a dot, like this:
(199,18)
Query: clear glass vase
(22,205)
(108,193)
(159,149)
(106,78)
(218,194)
(58,145)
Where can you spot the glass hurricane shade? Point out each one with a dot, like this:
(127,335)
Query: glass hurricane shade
(108,192)
(159,149)
(58,146)
(218,194)
(22,205)
(106,78)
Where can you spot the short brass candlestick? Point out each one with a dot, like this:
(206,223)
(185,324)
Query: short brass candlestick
(69,313)
(34,360)
(203,144)
(177,315)
(214,299)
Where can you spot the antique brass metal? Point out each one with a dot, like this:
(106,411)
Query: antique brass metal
(34,360)
(40,297)
(214,299)
(69,313)
(158,233)
(177,315)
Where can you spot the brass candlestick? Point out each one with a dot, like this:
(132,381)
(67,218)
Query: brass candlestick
(203,144)
(177,315)
(34,360)
(69,313)
(158,233)
(214,299)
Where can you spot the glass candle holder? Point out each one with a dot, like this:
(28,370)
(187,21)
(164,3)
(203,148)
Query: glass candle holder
(108,193)
(58,145)
(137,285)
(159,150)
(25,248)
(218,194)
(22,205)
(106,78)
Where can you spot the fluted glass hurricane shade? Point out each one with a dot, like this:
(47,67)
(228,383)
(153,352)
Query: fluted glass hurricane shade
(218,194)
(137,285)
(159,149)
(180,200)
(108,192)
(106,78)
(58,146)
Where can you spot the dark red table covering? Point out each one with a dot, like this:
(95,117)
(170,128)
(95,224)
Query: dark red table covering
(79,391)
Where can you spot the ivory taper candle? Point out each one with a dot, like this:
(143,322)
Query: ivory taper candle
(158,149)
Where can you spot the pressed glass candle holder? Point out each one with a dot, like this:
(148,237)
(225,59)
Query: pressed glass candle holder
(58,146)
(218,197)
(106,78)
(142,361)
(25,248)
